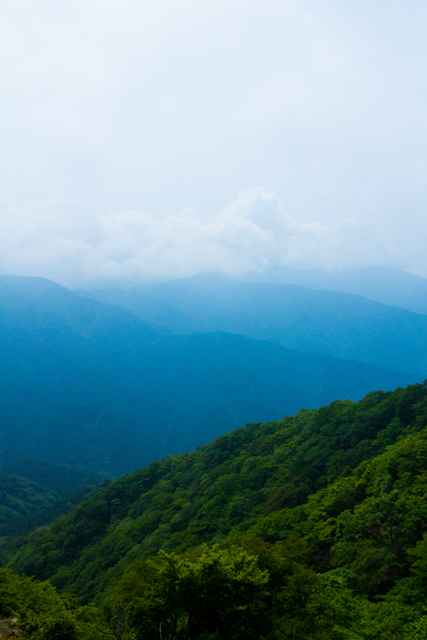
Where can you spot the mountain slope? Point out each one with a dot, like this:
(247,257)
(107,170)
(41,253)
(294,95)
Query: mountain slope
(94,386)
(326,322)
(343,487)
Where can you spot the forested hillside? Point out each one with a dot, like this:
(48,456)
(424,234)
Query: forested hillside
(94,386)
(319,521)
(34,492)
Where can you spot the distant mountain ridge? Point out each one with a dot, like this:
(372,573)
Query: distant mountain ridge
(93,385)
(389,286)
(332,323)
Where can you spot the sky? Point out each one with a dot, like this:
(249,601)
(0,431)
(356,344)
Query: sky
(158,139)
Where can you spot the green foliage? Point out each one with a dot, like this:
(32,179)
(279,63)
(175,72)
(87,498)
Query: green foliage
(214,591)
(37,611)
(228,593)
(313,527)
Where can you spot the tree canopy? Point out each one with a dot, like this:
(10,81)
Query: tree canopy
(312,527)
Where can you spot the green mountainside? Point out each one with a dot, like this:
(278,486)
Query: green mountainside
(319,522)
(94,386)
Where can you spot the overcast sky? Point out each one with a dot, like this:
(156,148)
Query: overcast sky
(155,139)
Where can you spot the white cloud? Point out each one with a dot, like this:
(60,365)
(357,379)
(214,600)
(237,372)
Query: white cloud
(76,245)
(161,106)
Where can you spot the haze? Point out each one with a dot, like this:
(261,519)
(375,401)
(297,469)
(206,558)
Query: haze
(160,139)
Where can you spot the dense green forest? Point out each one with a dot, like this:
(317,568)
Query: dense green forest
(311,527)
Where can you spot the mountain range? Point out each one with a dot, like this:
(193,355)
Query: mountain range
(94,385)
(330,323)
(311,525)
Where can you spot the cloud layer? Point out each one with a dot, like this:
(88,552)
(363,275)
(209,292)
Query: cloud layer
(167,107)
(75,245)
